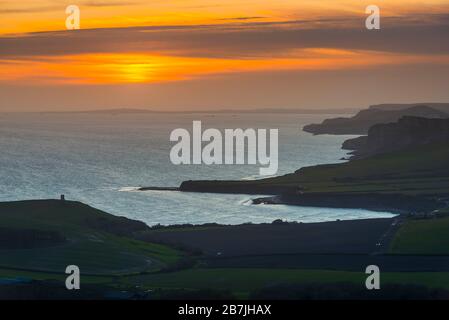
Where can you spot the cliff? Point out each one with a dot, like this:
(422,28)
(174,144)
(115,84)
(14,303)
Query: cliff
(363,120)
(443,107)
(407,132)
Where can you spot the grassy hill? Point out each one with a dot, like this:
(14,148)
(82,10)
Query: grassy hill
(419,170)
(48,235)
(429,237)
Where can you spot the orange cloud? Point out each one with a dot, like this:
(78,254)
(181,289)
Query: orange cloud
(123,68)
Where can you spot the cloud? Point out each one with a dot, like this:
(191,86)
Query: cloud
(94,3)
(242,18)
(60,7)
(425,34)
(30,9)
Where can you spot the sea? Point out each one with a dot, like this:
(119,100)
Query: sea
(102,158)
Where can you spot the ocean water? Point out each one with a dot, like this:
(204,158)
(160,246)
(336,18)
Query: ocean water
(100,159)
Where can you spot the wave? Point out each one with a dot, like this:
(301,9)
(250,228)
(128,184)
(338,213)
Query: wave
(257,177)
(129,189)
(246,202)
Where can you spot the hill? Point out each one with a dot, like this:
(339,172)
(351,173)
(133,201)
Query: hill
(98,242)
(425,236)
(48,235)
(443,107)
(408,131)
(363,120)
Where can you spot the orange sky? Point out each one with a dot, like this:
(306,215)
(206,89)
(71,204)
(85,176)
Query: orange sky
(199,40)
(146,68)
(46,15)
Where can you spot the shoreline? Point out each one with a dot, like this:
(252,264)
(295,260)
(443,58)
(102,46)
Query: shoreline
(393,203)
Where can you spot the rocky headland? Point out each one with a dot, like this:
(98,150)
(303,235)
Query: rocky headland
(360,123)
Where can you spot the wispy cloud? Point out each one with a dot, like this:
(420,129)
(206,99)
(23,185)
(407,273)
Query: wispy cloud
(242,18)
(30,9)
(255,39)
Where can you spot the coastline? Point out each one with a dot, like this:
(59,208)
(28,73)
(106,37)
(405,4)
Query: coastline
(407,181)
(394,203)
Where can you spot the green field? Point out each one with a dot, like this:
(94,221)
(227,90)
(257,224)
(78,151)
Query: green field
(430,236)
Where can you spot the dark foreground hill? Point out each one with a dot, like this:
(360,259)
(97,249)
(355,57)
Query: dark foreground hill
(362,121)
(256,261)
(48,235)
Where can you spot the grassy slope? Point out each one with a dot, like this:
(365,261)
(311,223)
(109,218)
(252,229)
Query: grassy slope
(422,237)
(94,239)
(421,170)
(418,171)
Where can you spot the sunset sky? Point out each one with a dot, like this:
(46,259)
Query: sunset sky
(207,54)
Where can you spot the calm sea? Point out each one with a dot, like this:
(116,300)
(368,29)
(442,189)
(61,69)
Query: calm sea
(100,158)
